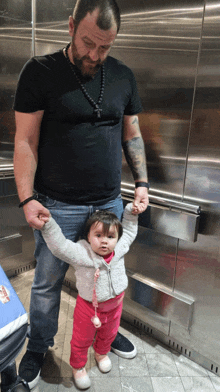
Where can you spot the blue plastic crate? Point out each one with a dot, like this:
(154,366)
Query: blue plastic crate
(12,312)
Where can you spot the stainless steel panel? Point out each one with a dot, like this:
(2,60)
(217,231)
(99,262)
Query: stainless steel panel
(10,245)
(11,217)
(172,219)
(52,26)
(160,42)
(197,270)
(175,307)
(171,222)
(7,186)
(197,274)
(164,60)
(146,316)
(16,238)
(6,168)
(153,255)
(15,45)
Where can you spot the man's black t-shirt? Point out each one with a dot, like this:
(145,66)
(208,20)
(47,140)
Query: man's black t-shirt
(79,156)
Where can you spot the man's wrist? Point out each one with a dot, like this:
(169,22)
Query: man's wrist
(33,197)
(142,184)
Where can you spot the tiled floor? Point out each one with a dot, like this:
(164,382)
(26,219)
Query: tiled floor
(155,369)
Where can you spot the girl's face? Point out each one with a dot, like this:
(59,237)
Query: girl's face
(101,243)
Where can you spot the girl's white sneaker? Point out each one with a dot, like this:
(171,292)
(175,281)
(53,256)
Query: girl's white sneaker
(81,378)
(103,362)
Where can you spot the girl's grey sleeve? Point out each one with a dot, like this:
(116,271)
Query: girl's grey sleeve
(130,225)
(66,250)
(130,229)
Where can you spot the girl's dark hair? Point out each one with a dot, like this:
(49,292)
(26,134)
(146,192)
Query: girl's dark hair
(108,13)
(107,218)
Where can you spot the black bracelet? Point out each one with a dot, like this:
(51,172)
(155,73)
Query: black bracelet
(34,197)
(142,183)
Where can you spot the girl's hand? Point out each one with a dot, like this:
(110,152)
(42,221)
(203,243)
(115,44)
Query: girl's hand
(44,218)
(141,200)
(135,210)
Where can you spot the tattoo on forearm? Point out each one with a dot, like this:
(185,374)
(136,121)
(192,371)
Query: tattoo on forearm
(135,156)
(135,121)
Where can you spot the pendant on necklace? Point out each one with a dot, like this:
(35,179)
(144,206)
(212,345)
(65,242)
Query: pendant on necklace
(97,111)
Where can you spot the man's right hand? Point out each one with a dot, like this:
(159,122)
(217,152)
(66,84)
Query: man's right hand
(36,214)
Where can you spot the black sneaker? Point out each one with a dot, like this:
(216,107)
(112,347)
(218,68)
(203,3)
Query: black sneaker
(123,347)
(30,367)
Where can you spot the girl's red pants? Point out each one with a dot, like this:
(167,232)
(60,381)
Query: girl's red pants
(84,331)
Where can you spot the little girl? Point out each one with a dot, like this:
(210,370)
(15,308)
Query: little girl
(100,279)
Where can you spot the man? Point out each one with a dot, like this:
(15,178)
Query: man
(74,111)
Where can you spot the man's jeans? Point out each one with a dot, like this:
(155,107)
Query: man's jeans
(50,271)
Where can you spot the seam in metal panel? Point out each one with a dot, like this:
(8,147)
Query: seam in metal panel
(190,128)
(33,23)
(193,101)
(175,268)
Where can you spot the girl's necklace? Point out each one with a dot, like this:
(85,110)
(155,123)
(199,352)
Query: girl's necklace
(96,105)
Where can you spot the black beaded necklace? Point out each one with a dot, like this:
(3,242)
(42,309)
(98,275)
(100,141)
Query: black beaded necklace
(96,105)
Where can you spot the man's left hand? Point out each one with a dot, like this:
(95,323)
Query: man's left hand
(141,200)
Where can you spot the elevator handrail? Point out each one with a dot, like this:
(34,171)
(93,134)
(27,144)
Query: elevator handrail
(127,190)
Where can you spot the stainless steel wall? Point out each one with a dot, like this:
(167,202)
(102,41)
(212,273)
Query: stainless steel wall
(173,50)
(174,281)
(201,279)
(16,238)
(15,47)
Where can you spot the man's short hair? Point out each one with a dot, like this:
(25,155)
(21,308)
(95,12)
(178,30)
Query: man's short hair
(108,13)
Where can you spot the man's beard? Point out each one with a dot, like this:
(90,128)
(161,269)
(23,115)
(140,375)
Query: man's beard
(89,69)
